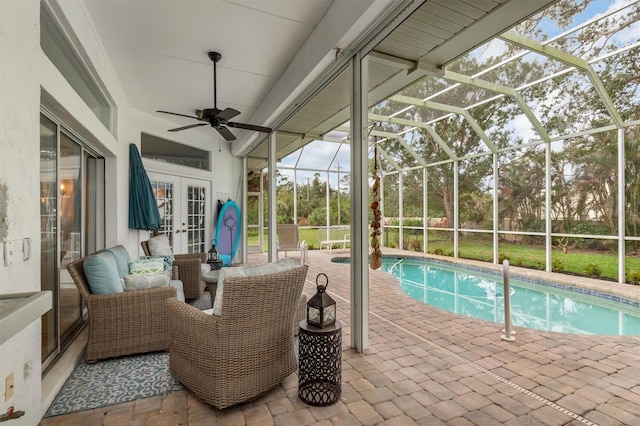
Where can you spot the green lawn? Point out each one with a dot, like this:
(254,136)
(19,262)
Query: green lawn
(532,256)
(310,235)
(576,262)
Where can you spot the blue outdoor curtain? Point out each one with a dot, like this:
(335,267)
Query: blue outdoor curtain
(143,209)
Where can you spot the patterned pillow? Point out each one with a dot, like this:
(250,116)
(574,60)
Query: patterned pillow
(166,260)
(145,281)
(146,266)
(159,246)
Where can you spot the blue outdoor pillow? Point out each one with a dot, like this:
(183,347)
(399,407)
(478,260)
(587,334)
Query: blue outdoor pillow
(102,273)
(121,256)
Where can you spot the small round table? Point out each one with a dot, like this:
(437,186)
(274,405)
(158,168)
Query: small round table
(320,364)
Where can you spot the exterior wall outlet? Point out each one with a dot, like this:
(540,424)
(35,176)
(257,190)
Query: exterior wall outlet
(8,387)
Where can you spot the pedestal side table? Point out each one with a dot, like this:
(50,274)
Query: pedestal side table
(215,264)
(320,364)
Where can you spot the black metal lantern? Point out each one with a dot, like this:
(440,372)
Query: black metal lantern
(212,254)
(321,308)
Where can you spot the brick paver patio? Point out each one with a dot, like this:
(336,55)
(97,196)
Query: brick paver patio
(430,367)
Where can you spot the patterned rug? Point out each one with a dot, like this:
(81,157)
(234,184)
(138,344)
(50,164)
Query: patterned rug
(114,381)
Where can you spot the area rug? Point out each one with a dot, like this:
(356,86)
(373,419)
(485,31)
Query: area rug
(114,381)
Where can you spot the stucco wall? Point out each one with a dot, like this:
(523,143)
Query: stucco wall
(19,148)
(27,80)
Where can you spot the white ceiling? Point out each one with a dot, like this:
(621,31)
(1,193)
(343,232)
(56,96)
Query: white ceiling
(271,49)
(158,49)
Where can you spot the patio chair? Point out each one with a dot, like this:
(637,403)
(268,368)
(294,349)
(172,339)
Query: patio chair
(125,323)
(247,350)
(188,269)
(289,240)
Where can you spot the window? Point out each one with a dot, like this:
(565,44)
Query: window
(63,55)
(155,148)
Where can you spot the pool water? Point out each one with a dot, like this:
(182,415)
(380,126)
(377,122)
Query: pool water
(474,293)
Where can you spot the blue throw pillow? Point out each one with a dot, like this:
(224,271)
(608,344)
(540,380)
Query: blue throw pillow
(121,256)
(102,273)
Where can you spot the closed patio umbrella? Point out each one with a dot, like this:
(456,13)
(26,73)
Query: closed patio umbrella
(143,209)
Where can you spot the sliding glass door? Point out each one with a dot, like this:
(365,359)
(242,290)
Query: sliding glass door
(71,221)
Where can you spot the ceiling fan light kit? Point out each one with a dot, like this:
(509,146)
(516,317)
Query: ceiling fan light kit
(216,118)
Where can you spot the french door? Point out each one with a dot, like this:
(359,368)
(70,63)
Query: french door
(186,211)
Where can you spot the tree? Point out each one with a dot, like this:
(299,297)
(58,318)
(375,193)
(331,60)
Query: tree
(458,134)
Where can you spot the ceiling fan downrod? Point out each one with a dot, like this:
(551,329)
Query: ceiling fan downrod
(215,57)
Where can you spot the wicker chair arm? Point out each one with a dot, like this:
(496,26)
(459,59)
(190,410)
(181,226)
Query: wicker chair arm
(201,256)
(191,331)
(190,273)
(127,323)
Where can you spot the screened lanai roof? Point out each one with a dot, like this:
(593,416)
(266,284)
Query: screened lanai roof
(415,82)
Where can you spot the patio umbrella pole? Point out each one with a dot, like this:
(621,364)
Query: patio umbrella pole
(507,304)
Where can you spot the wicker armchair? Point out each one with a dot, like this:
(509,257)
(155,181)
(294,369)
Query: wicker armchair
(125,323)
(186,268)
(248,349)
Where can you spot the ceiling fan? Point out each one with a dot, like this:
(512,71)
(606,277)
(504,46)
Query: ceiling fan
(216,118)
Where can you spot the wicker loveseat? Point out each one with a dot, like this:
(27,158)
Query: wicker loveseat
(245,351)
(127,322)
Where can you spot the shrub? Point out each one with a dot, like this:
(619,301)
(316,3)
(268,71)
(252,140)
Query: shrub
(439,251)
(518,261)
(318,217)
(633,277)
(592,270)
(415,245)
(557,265)
(409,221)
(503,256)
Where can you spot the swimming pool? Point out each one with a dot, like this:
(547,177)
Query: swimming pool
(535,304)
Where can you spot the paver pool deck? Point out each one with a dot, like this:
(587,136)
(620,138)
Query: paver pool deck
(430,367)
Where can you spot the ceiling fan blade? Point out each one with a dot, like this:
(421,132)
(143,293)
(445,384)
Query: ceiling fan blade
(226,133)
(227,114)
(181,115)
(249,127)
(190,126)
